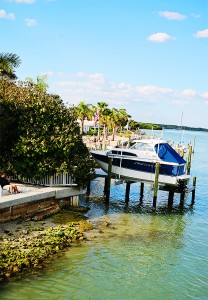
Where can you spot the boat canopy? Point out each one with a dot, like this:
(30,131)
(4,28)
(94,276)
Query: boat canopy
(168,154)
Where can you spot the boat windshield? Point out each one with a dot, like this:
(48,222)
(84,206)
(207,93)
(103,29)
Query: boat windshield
(167,153)
(142,147)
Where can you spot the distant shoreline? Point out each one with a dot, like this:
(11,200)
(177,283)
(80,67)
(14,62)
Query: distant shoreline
(182,128)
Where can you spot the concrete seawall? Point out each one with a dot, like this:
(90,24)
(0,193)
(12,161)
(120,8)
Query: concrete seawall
(37,203)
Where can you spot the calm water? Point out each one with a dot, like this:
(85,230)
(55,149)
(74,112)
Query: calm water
(148,255)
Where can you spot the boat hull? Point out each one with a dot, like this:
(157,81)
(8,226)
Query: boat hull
(138,170)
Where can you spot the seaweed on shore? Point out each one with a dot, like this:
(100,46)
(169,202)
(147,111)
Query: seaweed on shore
(27,247)
(33,250)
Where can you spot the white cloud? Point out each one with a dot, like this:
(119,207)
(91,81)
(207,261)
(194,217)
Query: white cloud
(201,34)
(205,96)
(160,37)
(152,90)
(172,15)
(31,22)
(95,87)
(189,93)
(4,15)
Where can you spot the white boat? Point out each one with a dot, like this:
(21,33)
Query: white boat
(138,162)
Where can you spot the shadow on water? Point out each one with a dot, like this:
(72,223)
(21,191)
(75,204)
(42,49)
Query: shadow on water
(136,204)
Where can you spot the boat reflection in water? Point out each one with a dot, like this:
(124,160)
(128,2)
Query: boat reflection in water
(138,162)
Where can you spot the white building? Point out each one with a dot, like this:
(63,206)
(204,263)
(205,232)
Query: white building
(88,125)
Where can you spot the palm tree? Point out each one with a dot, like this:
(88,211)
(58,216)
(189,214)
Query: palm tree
(101,107)
(114,122)
(123,117)
(118,118)
(40,81)
(9,61)
(83,112)
(104,119)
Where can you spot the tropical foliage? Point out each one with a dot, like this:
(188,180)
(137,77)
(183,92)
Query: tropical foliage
(82,112)
(139,125)
(41,134)
(112,121)
(40,81)
(9,61)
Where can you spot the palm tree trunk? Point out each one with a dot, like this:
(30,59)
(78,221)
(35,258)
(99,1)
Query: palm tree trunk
(113,134)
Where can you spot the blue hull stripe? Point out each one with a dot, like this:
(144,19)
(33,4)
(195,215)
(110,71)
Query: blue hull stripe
(142,166)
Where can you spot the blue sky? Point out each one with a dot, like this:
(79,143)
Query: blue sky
(149,57)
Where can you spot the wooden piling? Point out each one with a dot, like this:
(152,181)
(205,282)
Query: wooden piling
(193,191)
(189,160)
(105,185)
(108,180)
(128,185)
(170,197)
(182,197)
(157,171)
(141,191)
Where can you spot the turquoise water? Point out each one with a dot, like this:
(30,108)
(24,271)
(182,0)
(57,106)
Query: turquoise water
(144,254)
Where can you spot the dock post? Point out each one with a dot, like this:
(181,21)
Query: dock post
(128,184)
(108,181)
(193,191)
(189,160)
(105,185)
(182,188)
(170,198)
(157,171)
(182,197)
(141,191)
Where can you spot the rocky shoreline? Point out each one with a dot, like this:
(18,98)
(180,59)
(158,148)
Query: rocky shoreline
(27,245)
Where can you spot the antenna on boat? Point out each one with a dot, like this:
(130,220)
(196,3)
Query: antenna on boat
(181,127)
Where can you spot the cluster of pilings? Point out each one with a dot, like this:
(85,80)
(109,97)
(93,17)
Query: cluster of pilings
(171,190)
(179,189)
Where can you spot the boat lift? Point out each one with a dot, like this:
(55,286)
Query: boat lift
(181,189)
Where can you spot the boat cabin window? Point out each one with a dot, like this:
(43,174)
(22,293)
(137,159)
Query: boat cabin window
(142,147)
(122,153)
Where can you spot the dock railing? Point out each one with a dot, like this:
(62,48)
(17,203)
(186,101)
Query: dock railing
(61,179)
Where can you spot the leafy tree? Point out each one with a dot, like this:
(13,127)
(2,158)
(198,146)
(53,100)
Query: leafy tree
(47,138)
(9,61)
(8,124)
(122,117)
(139,125)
